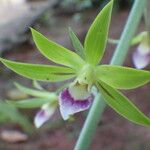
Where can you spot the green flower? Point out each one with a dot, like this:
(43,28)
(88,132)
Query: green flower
(84,67)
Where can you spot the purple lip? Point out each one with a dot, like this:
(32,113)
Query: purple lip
(69,105)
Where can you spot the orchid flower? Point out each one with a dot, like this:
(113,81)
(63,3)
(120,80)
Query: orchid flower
(74,99)
(42,116)
(48,101)
(83,67)
(141,56)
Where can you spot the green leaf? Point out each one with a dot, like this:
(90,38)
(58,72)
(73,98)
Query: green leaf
(30,103)
(96,38)
(37,93)
(40,72)
(56,53)
(76,43)
(122,105)
(8,113)
(122,77)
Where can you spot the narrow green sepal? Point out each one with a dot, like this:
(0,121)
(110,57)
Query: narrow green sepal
(122,77)
(30,103)
(96,38)
(37,93)
(122,105)
(40,72)
(56,52)
(76,43)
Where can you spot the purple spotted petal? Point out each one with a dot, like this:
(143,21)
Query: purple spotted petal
(141,58)
(70,106)
(43,115)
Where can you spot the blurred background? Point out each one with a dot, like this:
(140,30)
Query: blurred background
(52,18)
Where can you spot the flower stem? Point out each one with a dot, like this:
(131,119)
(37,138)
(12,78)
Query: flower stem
(118,58)
(147,20)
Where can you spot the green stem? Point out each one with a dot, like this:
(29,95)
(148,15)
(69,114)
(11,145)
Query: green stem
(129,30)
(91,123)
(147,19)
(118,58)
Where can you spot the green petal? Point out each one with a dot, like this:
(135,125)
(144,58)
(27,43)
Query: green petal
(122,105)
(40,72)
(37,93)
(96,38)
(56,52)
(122,77)
(37,85)
(76,43)
(137,39)
(30,103)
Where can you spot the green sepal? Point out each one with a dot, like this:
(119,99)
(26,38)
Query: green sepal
(76,44)
(122,77)
(122,105)
(139,38)
(30,103)
(37,93)
(56,52)
(40,72)
(96,38)
(37,85)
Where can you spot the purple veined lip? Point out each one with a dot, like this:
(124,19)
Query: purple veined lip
(43,115)
(141,57)
(70,106)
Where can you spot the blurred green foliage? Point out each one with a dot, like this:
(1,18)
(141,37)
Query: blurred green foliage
(9,114)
